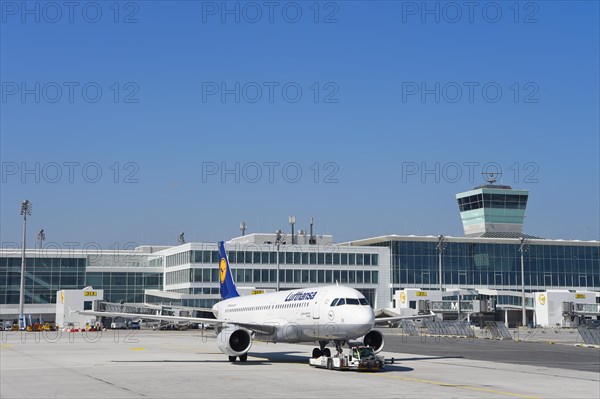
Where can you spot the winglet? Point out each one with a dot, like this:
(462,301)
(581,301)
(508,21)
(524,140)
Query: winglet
(228,289)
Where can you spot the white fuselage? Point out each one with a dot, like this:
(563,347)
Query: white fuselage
(303,315)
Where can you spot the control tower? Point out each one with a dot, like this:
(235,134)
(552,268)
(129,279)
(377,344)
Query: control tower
(493,210)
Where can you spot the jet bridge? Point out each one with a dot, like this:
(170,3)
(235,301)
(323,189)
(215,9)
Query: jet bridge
(575,314)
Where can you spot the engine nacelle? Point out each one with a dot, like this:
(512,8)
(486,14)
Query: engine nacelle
(234,341)
(373,338)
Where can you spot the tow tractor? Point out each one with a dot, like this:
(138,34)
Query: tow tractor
(361,358)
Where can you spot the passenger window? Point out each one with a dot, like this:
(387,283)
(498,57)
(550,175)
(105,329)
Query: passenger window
(334,302)
(341,302)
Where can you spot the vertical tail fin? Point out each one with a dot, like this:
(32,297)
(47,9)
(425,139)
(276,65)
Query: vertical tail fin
(228,289)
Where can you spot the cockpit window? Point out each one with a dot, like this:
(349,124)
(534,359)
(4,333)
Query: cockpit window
(349,301)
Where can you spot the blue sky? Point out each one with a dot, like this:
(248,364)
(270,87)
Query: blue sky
(383,107)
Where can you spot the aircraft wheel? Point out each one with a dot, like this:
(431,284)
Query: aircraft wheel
(316,353)
(326,352)
(232,359)
(243,357)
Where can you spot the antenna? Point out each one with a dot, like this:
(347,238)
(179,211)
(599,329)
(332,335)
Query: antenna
(41,237)
(491,177)
(292,221)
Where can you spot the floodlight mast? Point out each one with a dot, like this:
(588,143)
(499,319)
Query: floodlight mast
(25,211)
(522,248)
(440,248)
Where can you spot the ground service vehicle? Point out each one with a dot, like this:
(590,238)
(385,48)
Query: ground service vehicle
(118,325)
(133,325)
(361,358)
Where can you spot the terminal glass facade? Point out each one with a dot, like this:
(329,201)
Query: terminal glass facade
(46,275)
(124,286)
(43,277)
(494,265)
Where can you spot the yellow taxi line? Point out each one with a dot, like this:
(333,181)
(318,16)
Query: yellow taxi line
(462,386)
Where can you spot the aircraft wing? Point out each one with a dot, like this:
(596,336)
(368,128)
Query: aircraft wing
(265,329)
(152,317)
(394,319)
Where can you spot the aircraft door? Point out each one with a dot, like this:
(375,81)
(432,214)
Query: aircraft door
(315,309)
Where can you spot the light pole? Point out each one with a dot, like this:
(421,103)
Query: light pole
(41,237)
(25,211)
(440,248)
(278,242)
(522,248)
(243,228)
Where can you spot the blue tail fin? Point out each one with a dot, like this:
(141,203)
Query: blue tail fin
(228,289)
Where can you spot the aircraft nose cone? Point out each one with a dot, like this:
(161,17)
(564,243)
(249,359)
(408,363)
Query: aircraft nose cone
(369,316)
(365,318)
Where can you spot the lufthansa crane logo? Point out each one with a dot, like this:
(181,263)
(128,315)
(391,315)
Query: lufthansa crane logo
(222,269)
(542,299)
(403,297)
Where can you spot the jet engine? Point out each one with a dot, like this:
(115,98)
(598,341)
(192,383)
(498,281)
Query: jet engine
(373,338)
(234,341)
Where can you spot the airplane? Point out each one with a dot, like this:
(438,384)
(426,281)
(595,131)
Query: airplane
(315,314)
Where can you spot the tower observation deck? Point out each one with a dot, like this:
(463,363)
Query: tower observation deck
(493,210)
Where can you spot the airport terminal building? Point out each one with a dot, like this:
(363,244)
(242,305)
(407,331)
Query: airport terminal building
(486,259)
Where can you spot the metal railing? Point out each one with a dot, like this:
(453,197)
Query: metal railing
(590,335)
(498,330)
